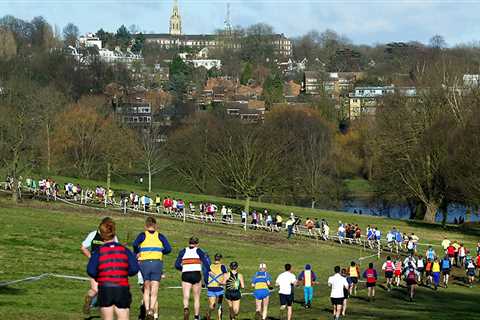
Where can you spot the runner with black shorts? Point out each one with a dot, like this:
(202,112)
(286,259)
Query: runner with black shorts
(389,268)
(371,275)
(286,281)
(190,261)
(114,296)
(232,290)
(339,284)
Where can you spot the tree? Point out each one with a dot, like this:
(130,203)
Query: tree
(257,45)
(243,161)
(247,73)
(8,49)
(437,42)
(17,148)
(273,90)
(70,34)
(191,161)
(151,156)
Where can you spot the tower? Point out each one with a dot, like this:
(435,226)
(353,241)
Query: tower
(228,23)
(175,21)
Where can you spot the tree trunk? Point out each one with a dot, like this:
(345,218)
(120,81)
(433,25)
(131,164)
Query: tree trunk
(149,179)
(247,205)
(109,176)
(48,149)
(430,212)
(14,190)
(313,203)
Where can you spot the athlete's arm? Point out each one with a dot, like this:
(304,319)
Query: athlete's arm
(178,262)
(204,259)
(167,248)
(92,266)
(85,252)
(133,266)
(136,244)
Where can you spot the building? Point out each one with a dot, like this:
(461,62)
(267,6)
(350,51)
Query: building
(89,41)
(363,101)
(471,80)
(312,82)
(176,39)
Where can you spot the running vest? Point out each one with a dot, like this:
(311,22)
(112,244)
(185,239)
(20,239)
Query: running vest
(445,264)
(398,266)
(307,278)
(470,265)
(215,275)
(233,283)
(113,266)
(436,267)
(260,280)
(151,248)
(430,254)
(191,260)
(389,266)
(371,276)
(411,276)
(96,242)
(353,272)
(428,267)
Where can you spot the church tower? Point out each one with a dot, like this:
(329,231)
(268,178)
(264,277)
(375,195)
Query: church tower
(175,21)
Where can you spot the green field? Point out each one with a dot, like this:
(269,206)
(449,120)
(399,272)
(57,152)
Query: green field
(38,238)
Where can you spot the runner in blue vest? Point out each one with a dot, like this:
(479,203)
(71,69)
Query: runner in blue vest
(446,266)
(261,283)
(398,240)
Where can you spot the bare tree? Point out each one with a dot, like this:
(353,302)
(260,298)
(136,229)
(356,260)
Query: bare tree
(150,153)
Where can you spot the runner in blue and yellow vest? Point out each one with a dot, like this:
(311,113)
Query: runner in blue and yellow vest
(261,283)
(150,247)
(215,282)
(308,278)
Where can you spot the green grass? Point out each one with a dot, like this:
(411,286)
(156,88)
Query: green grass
(428,233)
(359,188)
(38,237)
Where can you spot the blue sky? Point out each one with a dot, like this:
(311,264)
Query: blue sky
(362,21)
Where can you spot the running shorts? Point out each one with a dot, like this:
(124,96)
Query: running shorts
(192,277)
(398,273)
(389,274)
(371,284)
(261,294)
(471,272)
(214,294)
(411,282)
(233,295)
(337,301)
(119,297)
(151,270)
(445,271)
(420,270)
(286,299)
(354,280)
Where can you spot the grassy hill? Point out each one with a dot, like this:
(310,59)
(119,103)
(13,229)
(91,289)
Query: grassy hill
(38,237)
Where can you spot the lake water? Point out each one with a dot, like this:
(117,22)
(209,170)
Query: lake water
(403,211)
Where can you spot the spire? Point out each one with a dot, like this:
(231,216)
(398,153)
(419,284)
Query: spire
(175,20)
(228,23)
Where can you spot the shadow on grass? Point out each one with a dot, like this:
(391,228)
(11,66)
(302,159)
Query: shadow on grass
(11,291)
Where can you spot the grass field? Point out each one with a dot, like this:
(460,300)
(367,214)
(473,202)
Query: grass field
(38,237)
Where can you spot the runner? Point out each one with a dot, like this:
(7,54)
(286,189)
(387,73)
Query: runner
(451,253)
(354,273)
(261,282)
(290,224)
(337,295)
(470,266)
(446,266)
(150,246)
(216,279)
(308,278)
(420,269)
(445,244)
(430,253)
(233,286)
(190,261)
(411,280)
(462,252)
(114,295)
(286,281)
(345,291)
(371,275)
(91,243)
(436,273)
(428,272)
(398,271)
(388,267)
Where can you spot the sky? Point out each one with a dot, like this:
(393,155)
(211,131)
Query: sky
(364,22)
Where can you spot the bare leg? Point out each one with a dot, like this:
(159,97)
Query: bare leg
(153,294)
(186,294)
(289,313)
(107,313)
(122,314)
(265,308)
(146,295)
(196,298)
